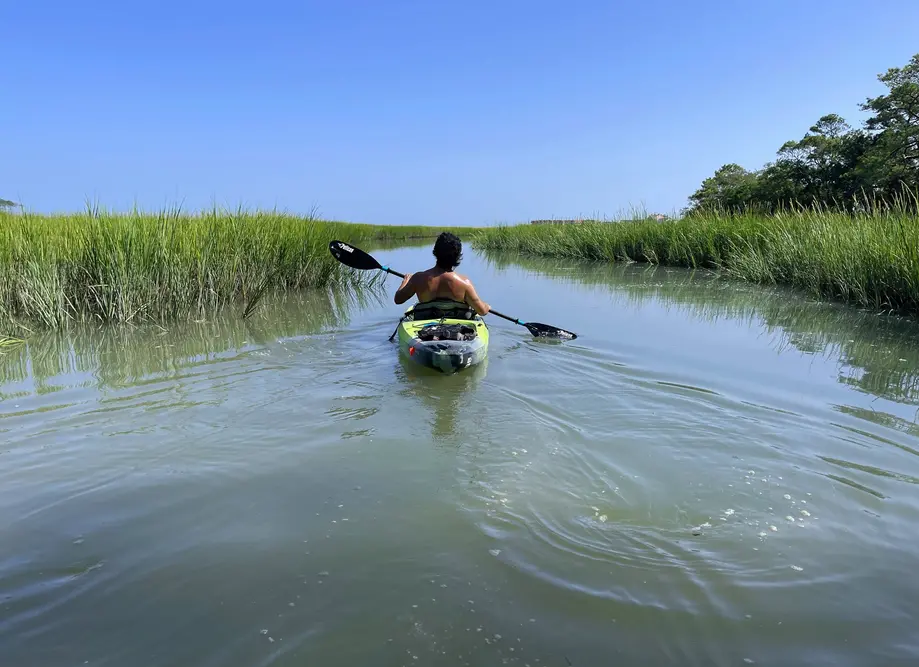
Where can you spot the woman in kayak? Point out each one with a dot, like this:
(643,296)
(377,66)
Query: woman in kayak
(441,282)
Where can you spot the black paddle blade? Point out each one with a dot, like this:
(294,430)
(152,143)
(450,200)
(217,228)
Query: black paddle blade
(548,331)
(353,257)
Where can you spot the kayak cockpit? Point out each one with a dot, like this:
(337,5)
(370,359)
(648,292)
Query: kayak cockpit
(443,334)
(437,309)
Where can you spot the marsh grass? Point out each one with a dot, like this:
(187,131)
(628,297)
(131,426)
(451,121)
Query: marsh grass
(141,267)
(870,259)
(7,342)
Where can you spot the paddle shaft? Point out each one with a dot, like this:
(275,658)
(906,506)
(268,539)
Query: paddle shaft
(492,311)
(389,270)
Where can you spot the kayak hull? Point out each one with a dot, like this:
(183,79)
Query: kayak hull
(448,356)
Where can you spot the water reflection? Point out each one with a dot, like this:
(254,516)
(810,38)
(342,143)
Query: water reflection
(445,400)
(274,488)
(877,354)
(117,356)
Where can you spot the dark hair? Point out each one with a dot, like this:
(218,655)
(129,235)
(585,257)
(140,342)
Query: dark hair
(448,250)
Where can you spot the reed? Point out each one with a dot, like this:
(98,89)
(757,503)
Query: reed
(869,259)
(142,267)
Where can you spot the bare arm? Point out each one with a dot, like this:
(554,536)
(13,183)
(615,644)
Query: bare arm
(473,299)
(406,289)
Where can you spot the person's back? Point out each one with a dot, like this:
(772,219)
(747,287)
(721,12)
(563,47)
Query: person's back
(441,281)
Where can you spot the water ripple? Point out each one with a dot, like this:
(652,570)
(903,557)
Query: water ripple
(262,492)
(587,502)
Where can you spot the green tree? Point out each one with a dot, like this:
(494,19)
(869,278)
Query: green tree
(823,165)
(834,165)
(893,161)
(6,203)
(780,184)
(730,189)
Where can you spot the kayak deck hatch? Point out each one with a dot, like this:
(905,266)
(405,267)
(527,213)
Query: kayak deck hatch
(444,335)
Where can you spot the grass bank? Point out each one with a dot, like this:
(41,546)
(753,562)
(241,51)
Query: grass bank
(869,260)
(143,267)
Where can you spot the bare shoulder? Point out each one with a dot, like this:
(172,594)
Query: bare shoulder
(462,278)
(422,276)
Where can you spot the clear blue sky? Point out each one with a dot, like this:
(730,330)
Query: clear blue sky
(421,112)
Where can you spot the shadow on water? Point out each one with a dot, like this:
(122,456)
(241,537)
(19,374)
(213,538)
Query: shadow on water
(877,354)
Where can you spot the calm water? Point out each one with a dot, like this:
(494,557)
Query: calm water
(712,474)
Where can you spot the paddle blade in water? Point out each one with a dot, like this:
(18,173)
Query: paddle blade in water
(353,257)
(548,331)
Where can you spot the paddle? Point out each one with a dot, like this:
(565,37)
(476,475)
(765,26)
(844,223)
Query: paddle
(358,259)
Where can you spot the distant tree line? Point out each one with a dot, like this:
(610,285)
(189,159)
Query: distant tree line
(6,203)
(834,165)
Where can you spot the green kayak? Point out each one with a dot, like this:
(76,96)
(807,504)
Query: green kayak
(445,335)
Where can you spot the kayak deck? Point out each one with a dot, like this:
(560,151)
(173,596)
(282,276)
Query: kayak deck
(443,335)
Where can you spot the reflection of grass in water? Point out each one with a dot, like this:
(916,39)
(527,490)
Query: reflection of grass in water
(886,420)
(881,351)
(119,355)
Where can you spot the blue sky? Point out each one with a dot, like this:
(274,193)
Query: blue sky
(421,112)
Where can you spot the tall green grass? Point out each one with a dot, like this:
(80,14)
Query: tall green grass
(142,267)
(7,342)
(870,259)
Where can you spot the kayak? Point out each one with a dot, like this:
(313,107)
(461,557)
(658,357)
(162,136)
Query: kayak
(444,335)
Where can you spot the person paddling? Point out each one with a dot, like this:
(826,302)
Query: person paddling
(441,282)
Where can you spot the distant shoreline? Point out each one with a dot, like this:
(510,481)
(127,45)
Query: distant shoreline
(870,260)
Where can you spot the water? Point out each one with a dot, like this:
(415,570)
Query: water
(712,474)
